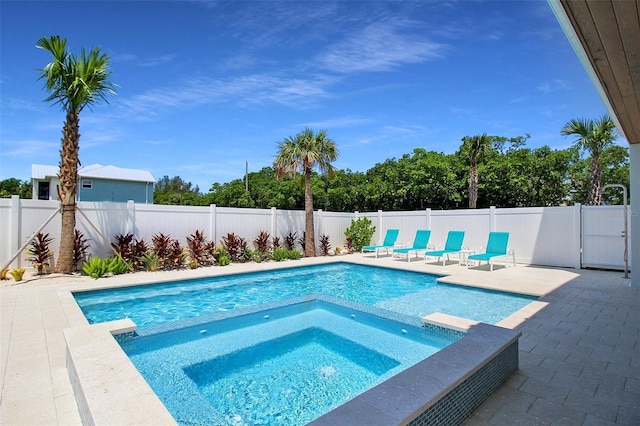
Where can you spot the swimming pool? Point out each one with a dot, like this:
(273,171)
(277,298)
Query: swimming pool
(410,293)
(285,365)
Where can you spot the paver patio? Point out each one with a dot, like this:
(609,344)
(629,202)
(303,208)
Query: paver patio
(579,356)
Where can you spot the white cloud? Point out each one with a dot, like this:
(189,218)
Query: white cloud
(379,47)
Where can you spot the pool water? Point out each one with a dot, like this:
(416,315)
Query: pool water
(282,366)
(407,292)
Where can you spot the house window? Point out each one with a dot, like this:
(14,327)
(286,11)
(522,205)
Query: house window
(43,190)
(87,184)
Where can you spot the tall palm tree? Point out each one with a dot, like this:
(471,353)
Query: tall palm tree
(302,153)
(73,82)
(594,136)
(474,148)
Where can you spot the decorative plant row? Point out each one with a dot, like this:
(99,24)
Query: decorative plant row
(166,253)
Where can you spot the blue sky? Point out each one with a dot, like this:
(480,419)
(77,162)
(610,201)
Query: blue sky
(205,86)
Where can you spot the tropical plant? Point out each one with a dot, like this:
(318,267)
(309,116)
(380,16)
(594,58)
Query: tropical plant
(123,246)
(290,239)
(359,234)
(80,248)
(138,250)
(3,273)
(235,246)
(117,265)
(280,254)
(262,242)
(17,273)
(475,148)
(199,250)
(73,82)
(40,252)
(96,267)
(150,261)
(593,136)
(302,153)
(176,256)
(275,242)
(221,256)
(302,240)
(348,244)
(325,246)
(161,244)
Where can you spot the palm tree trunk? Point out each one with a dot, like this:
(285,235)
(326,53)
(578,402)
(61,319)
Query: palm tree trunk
(473,186)
(595,195)
(310,240)
(68,176)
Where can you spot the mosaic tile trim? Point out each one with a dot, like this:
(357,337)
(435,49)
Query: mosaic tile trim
(443,331)
(458,404)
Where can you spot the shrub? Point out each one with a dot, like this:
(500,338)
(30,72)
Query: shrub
(199,252)
(360,231)
(117,265)
(261,243)
(150,261)
(40,252)
(221,256)
(280,254)
(124,246)
(95,267)
(324,244)
(17,273)
(140,248)
(80,247)
(235,246)
(176,256)
(302,241)
(290,240)
(348,244)
(294,254)
(275,242)
(3,274)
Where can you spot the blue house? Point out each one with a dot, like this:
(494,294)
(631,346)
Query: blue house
(96,183)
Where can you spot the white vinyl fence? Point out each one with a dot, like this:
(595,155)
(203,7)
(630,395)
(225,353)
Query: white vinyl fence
(549,236)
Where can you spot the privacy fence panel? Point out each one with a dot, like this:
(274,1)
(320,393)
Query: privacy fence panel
(475,223)
(548,236)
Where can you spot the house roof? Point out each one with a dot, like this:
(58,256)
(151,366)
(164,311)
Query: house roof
(96,171)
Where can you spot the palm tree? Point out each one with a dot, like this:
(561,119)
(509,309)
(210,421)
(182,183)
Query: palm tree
(594,136)
(302,153)
(73,82)
(474,148)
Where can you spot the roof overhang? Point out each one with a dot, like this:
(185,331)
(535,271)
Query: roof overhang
(605,34)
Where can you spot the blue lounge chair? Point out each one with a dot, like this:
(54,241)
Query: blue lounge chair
(453,245)
(387,244)
(420,242)
(496,247)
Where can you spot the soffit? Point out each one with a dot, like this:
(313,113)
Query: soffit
(609,32)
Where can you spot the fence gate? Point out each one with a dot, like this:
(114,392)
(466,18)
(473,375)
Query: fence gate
(603,237)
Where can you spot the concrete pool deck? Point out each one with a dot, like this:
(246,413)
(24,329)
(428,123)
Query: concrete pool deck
(579,356)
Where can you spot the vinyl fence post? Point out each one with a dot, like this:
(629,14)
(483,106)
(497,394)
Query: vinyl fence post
(577,236)
(428,218)
(492,218)
(274,221)
(212,222)
(131,218)
(15,226)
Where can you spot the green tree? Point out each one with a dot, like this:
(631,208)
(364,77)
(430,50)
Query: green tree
(13,186)
(73,82)
(175,191)
(593,136)
(301,154)
(474,149)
